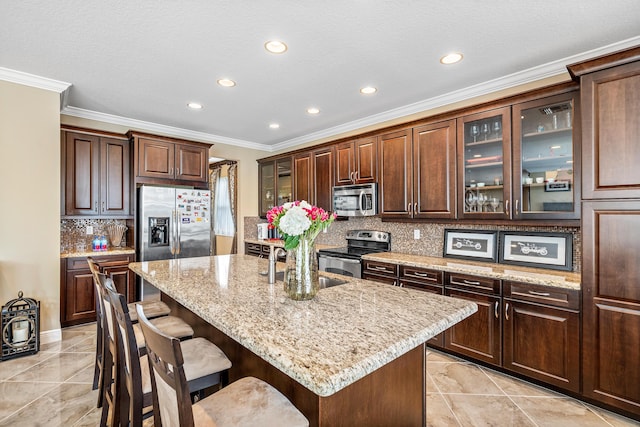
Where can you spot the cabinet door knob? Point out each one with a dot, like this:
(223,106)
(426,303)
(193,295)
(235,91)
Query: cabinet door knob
(495,310)
(506,207)
(517,202)
(104,207)
(96,207)
(506,312)
(415,208)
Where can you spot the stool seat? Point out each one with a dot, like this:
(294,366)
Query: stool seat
(152,309)
(247,402)
(170,325)
(202,359)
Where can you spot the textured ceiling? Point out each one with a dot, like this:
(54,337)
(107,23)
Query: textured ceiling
(145,60)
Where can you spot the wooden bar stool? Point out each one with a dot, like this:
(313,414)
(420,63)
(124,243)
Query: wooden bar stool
(246,402)
(205,365)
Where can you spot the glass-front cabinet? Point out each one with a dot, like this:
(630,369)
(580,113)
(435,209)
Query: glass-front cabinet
(544,159)
(275,183)
(484,167)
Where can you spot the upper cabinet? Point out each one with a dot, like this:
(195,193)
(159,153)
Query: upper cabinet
(313,177)
(97,174)
(417,172)
(159,159)
(356,162)
(546,158)
(611,129)
(484,165)
(275,183)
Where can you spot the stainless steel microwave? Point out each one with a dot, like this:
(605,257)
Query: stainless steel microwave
(355,200)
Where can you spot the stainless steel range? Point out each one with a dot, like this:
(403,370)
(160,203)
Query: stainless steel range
(348,260)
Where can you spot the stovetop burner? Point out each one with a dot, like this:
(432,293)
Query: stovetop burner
(361,242)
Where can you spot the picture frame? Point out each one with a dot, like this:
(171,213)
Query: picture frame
(477,245)
(537,249)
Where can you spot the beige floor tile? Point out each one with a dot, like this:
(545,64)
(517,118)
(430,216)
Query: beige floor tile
(548,411)
(58,368)
(17,395)
(462,378)
(88,345)
(10,368)
(64,405)
(84,376)
(516,387)
(438,413)
(69,339)
(431,386)
(481,411)
(92,419)
(614,419)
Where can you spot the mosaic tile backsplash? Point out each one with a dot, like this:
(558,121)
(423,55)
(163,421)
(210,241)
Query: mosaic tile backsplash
(73,233)
(431,242)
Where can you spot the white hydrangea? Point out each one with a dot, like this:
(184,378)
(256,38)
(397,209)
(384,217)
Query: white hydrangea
(295,221)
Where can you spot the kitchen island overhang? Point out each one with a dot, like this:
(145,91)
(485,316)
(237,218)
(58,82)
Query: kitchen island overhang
(348,335)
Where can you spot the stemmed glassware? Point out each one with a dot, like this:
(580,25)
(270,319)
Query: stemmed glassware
(471,201)
(475,131)
(486,131)
(482,199)
(494,202)
(497,128)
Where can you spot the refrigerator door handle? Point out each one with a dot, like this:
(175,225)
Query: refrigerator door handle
(178,233)
(172,239)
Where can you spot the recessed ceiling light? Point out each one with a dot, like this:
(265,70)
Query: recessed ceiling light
(451,58)
(194,106)
(275,46)
(226,83)
(274,126)
(368,90)
(313,110)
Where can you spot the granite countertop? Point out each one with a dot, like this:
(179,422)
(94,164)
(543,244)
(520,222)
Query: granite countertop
(108,252)
(343,334)
(536,276)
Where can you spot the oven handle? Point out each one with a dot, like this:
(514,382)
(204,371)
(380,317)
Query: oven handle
(345,260)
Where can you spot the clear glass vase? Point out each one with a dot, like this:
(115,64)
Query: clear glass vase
(301,275)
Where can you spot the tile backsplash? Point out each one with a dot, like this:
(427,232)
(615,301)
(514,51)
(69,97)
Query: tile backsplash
(431,242)
(73,233)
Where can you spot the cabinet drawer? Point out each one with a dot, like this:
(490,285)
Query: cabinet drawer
(547,295)
(422,275)
(474,283)
(426,287)
(102,261)
(389,280)
(380,268)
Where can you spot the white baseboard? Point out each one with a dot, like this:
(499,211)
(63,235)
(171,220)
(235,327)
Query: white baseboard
(50,336)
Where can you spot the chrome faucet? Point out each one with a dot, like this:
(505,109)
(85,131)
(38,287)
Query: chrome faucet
(273,257)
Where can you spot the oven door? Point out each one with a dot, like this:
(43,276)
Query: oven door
(344,266)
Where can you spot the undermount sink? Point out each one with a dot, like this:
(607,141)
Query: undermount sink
(325,282)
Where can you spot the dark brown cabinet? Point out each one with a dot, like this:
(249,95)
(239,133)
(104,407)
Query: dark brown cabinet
(610,102)
(275,183)
(261,251)
(418,172)
(541,333)
(480,335)
(356,162)
(77,290)
(160,158)
(97,175)
(380,272)
(313,177)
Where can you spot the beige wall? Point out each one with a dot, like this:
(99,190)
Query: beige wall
(30,198)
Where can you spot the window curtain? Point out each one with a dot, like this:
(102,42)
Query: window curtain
(223,203)
(214,175)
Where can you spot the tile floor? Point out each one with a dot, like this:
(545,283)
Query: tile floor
(53,388)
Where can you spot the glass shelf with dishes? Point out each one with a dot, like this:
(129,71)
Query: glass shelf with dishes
(483,163)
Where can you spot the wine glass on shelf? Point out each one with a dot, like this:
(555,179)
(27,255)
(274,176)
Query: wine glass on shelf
(497,128)
(471,201)
(486,131)
(475,131)
(482,198)
(494,202)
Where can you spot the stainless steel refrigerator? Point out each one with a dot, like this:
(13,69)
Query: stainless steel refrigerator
(173,222)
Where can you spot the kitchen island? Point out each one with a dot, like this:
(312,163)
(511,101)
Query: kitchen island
(354,355)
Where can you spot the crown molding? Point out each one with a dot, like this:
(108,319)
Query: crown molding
(161,129)
(529,75)
(32,80)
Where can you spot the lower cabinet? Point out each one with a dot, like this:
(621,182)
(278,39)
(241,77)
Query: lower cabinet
(541,333)
(532,330)
(77,291)
(261,251)
(479,335)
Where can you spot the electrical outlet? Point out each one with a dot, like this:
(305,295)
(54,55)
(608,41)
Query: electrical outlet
(416,234)
(89,229)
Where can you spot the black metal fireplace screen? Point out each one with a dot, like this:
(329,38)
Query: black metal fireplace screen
(20,326)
